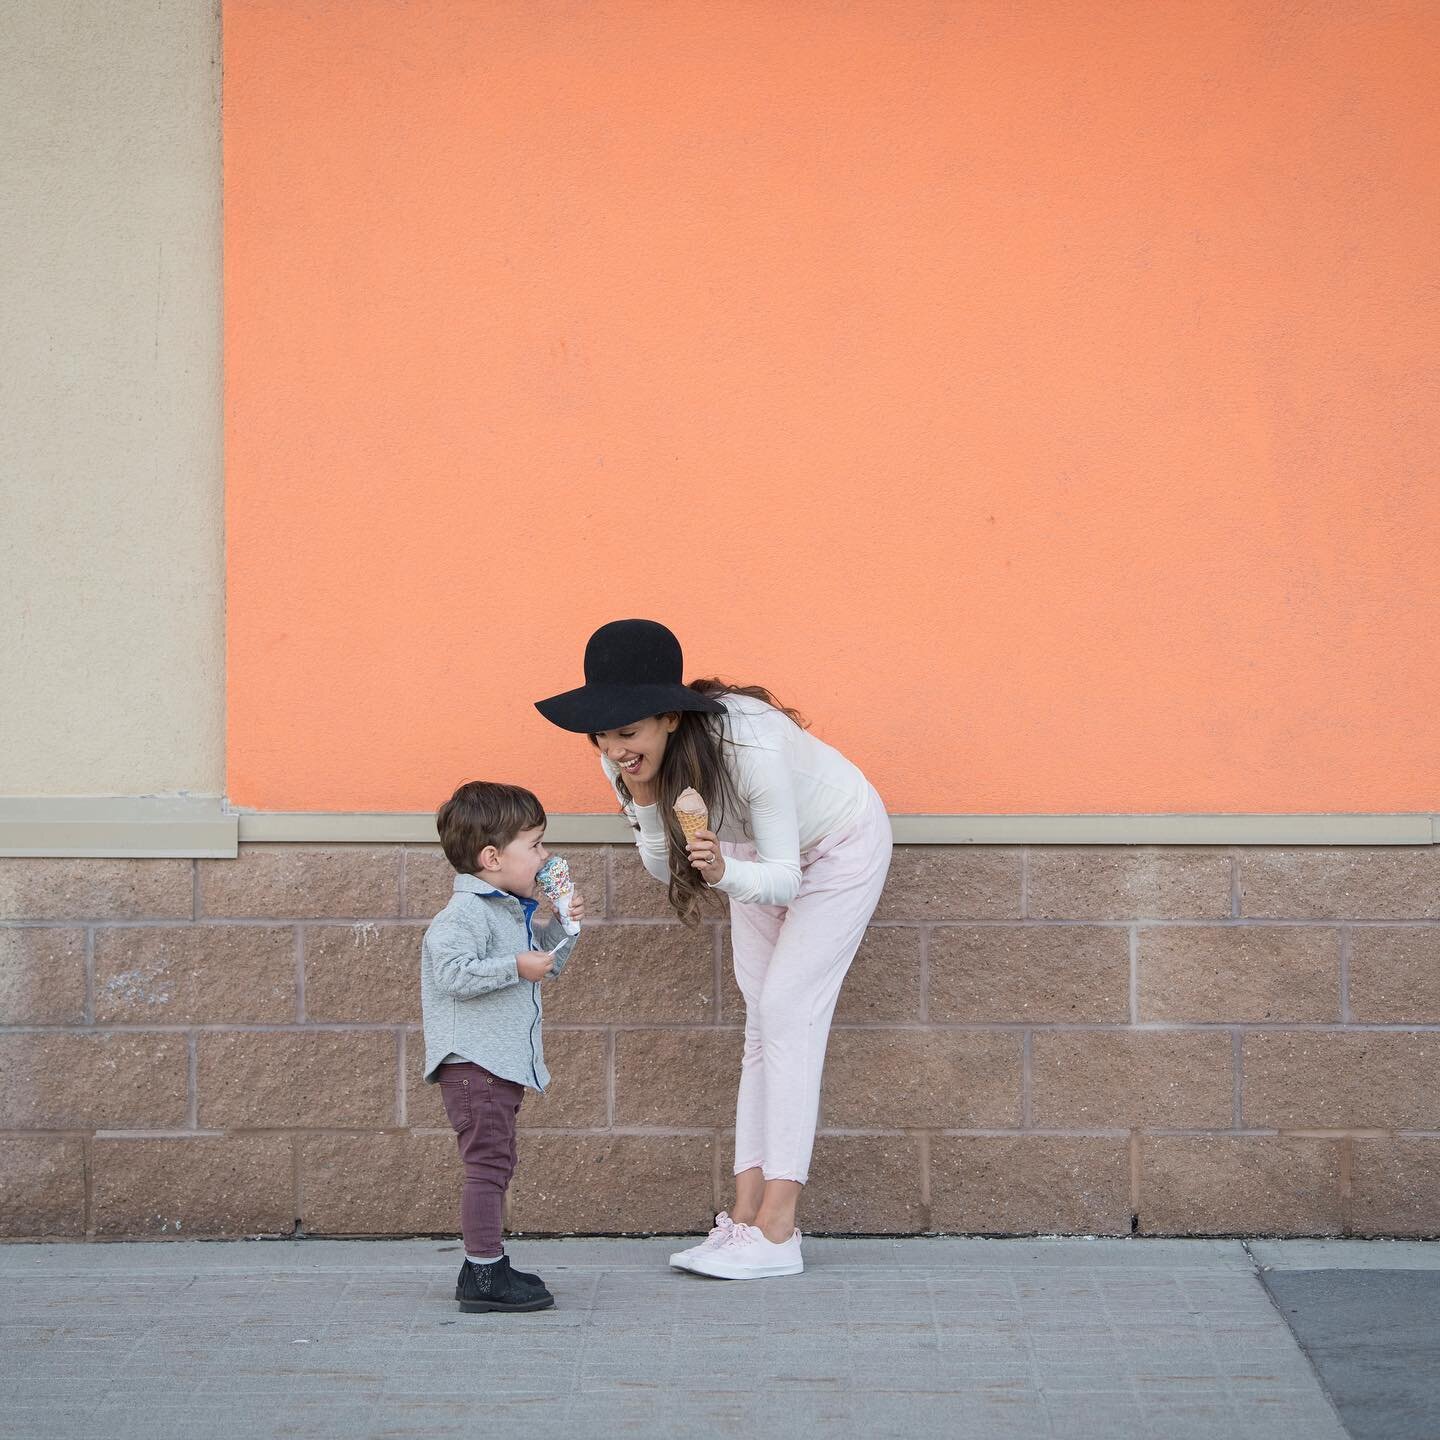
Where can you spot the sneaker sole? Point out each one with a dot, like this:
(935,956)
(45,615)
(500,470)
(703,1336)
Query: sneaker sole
(485,1307)
(763,1272)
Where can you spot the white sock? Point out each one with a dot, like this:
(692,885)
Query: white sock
(485,1259)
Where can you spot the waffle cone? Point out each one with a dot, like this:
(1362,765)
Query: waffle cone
(691,824)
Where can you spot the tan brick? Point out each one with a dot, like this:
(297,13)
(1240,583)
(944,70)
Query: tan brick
(1029,1185)
(395,1184)
(677,1077)
(1221,1185)
(331,1078)
(1331,1080)
(1381,882)
(883,983)
(1030,973)
(579,1093)
(951,882)
(614,1184)
(39,889)
(578,1097)
(193,1187)
(194,975)
(633,974)
(42,1186)
(732,1002)
(430,880)
(913,1077)
(1395,975)
(42,977)
(93,1080)
(864,1185)
(363,972)
(637,895)
(303,882)
(1395,1187)
(1239,973)
(1139,883)
(1094,1079)
(424,1109)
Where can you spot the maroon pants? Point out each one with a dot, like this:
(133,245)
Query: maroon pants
(482,1108)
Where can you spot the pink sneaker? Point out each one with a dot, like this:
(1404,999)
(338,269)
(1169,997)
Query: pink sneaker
(745,1254)
(681,1259)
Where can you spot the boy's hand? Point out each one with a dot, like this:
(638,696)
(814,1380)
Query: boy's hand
(534,964)
(577,906)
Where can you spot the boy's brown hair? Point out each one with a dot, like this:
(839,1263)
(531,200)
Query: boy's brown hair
(481,813)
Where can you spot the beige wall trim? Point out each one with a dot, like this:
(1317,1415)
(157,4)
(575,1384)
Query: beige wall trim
(112,546)
(1166,829)
(203,827)
(138,827)
(919,829)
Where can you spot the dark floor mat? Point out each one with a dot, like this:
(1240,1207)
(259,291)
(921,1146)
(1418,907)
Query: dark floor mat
(1374,1336)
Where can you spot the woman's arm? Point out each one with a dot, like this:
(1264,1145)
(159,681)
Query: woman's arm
(650,839)
(774,878)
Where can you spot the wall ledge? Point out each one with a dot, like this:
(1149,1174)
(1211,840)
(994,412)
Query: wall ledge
(123,826)
(204,827)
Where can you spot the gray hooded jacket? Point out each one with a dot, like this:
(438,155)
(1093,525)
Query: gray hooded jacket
(472,998)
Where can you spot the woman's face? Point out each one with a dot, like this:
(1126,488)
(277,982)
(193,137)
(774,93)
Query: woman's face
(637,749)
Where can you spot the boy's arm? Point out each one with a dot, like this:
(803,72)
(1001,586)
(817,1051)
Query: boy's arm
(561,945)
(550,935)
(462,968)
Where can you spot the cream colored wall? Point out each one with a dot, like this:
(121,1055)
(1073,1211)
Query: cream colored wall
(111,495)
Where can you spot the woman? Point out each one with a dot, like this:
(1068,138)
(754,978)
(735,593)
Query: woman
(799,842)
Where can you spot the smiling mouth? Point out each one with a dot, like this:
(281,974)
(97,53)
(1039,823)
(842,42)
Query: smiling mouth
(632,766)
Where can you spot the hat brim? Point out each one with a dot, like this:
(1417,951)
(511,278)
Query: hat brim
(607,707)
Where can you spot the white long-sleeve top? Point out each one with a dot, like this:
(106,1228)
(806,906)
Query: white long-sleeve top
(794,790)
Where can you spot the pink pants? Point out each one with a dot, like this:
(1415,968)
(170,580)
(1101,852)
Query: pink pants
(790,961)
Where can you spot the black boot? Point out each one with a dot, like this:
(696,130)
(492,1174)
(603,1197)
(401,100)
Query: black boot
(533,1282)
(526,1278)
(482,1288)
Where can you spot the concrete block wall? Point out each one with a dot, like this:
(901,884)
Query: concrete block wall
(1032,1040)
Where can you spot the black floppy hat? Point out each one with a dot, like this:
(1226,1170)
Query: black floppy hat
(633,668)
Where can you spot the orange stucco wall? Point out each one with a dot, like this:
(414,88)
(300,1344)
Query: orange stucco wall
(1042,396)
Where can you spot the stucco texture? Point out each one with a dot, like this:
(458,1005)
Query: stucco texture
(111,509)
(1039,396)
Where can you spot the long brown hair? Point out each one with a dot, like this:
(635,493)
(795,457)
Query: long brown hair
(694,757)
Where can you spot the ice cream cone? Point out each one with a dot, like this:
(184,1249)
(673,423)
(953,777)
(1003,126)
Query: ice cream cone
(692,813)
(554,883)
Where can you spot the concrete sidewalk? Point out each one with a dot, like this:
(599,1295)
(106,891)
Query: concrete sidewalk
(1065,1339)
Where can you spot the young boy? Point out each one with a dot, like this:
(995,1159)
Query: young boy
(481,965)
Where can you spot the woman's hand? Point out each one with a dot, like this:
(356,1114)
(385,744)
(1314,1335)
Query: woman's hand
(705,856)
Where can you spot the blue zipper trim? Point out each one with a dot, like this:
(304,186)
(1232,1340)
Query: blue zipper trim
(529,907)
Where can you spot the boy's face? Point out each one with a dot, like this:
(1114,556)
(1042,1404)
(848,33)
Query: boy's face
(514,868)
